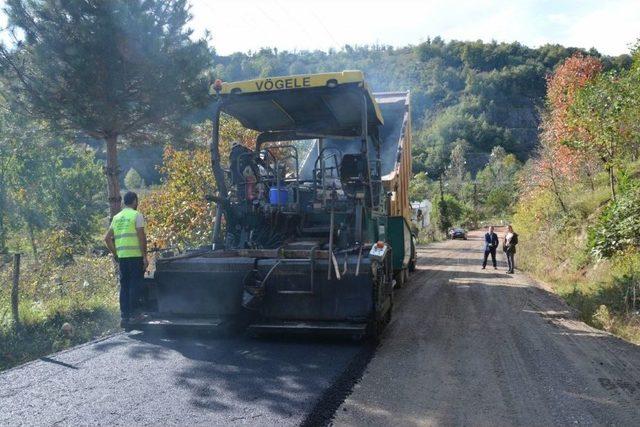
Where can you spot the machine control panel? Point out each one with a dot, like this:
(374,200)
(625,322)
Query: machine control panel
(378,251)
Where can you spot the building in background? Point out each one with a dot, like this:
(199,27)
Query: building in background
(421,211)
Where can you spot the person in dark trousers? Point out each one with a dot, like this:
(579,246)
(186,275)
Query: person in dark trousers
(490,245)
(127,242)
(509,248)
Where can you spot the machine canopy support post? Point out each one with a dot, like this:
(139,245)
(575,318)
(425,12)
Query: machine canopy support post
(331,257)
(365,144)
(358,219)
(218,173)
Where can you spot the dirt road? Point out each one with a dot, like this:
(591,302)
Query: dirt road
(466,346)
(480,347)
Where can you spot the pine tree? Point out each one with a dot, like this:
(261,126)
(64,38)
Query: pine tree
(115,70)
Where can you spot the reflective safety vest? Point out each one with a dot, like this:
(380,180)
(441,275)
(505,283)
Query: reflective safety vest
(125,234)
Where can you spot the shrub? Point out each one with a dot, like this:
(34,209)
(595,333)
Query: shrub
(448,212)
(618,228)
(59,247)
(602,318)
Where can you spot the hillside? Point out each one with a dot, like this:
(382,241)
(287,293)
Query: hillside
(484,93)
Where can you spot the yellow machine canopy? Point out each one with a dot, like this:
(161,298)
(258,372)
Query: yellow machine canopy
(326,104)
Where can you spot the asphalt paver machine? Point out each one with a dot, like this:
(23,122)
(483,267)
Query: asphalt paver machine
(312,226)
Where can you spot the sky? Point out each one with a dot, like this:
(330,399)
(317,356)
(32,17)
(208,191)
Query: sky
(611,26)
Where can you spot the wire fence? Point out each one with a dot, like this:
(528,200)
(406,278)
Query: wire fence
(13,290)
(35,289)
(27,260)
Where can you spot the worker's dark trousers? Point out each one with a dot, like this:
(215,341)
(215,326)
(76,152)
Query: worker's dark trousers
(491,251)
(131,282)
(511,262)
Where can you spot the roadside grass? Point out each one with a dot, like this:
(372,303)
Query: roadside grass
(601,293)
(554,248)
(82,294)
(603,305)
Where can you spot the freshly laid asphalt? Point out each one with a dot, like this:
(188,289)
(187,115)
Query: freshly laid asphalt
(465,346)
(132,379)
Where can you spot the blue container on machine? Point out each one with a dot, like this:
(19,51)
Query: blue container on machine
(278,196)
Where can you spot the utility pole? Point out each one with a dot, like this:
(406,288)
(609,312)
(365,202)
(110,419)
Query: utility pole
(475,203)
(442,208)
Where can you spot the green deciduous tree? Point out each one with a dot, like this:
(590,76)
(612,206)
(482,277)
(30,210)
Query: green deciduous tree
(46,184)
(457,174)
(597,114)
(9,134)
(133,180)
(112,69)
(605,116)
(496,183)
(448,212)
(419,187)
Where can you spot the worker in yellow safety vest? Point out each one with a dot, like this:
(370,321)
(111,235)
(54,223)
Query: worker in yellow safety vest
(127,242)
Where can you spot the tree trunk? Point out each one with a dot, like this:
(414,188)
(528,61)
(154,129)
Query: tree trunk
(612,178)
(592,185)
(15,291)
(3,236)
(612,183)
(3,239)
(556,191)
(112,172)
(32,240)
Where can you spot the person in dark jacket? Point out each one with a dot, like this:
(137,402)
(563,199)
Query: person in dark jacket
(490,245)
(509,248)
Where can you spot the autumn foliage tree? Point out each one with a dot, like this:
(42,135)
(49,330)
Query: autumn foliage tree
(558,162)
(562,88)
(557,129)
(178,212)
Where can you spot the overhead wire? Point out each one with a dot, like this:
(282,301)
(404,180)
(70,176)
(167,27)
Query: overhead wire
(326,30)
(295,20)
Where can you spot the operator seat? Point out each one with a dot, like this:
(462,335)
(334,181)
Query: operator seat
(352,172)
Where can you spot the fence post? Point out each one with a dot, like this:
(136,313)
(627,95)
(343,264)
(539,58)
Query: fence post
(14,290)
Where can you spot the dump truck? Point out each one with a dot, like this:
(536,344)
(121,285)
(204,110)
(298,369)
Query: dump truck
(312,224)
